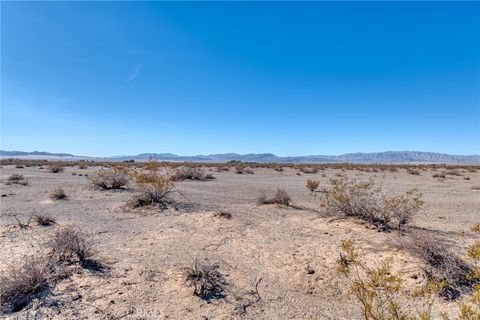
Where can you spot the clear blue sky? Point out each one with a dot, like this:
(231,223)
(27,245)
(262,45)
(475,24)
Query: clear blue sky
(104,78)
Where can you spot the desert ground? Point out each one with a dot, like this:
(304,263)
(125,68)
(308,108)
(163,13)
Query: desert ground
(278,262)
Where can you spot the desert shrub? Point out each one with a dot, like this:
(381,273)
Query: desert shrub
(248,171)
(70,245)
(281,197)
(19,166)
(278,168)
(17,179)
(439,175)
(188,173)
(443,264)
(207,281)
(363,200)
(58,194)
(379,291)
(44,220)
(309,170)
(223,215)
(20,223)
(82,166)
(239,169)
(475,228)
(112,178)
(155,189)
(222,168)
(55,168)
(19,284)
(312,185)
(413,171)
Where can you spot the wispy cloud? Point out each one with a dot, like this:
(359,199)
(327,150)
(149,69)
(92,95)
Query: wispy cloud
(134,72)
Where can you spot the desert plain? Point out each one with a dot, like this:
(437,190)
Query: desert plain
(277,262)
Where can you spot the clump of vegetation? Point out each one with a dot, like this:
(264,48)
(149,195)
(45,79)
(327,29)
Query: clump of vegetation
(19,284)
(108,179)
(19,166)
(207,281)
(223,215)
(378,291)
(439,175)
(18,179)
(363,200)
(239,169)
(82,166)
(309,170)
(248,171)
(312,185)
(69,245)
(281,197)
(413,171)
(278,168)
(189,173)
(443,264)
(55,168)
(20,223)
(223,168)
(29,279)
(155,189)
(58,194)
(44,220)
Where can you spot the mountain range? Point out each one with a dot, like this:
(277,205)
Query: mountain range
(375,157)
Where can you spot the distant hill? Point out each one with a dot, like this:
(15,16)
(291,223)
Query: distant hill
(34,153)
(376,157)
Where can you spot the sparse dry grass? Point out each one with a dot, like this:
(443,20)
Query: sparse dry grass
(58,194)
(443,264)
(69,245)
(19,284)
(44,220)
(281,197)
(207,281)
(18,179)
(223,215)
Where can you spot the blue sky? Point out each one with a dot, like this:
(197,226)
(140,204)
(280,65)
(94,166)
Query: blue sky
(104,78)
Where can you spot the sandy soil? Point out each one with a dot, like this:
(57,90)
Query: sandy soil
(287,254)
